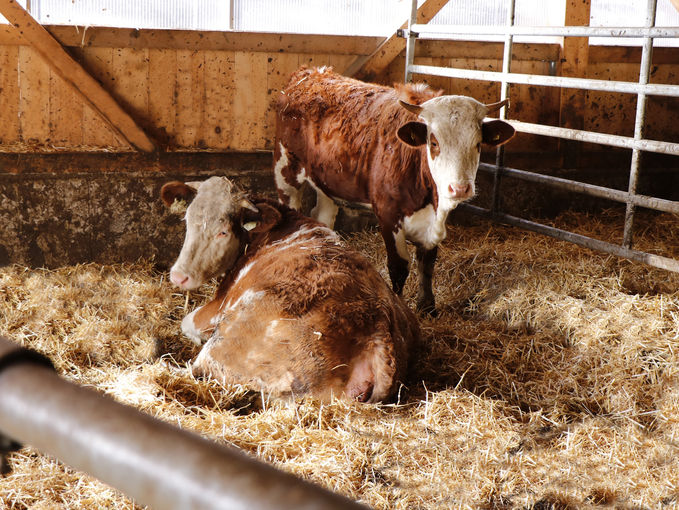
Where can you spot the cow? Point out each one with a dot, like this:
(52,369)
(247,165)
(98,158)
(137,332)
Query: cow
(409,153)
(296,311)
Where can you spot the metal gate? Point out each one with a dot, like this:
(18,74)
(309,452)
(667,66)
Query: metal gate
(637,143)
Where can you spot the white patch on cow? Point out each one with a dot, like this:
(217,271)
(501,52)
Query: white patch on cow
(246,299)
(401,246)
(304,235)
(294,195)
(326,209)
(243,272)
(190,331)
(426,227)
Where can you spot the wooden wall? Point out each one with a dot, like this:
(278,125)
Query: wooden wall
(216,91)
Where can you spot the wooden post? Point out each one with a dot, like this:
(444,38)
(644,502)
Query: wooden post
(368,68)
(574,62)
(54,55)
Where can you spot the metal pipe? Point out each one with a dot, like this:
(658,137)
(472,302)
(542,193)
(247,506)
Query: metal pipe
(592,190)
(443,32)
(151,461)
(410,42)
(587,242)
(625,142)
(550,81)
(640,118)
(504,93)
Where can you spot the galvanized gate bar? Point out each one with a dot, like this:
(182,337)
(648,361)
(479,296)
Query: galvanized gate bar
(588,242)
(637,143)
(639,120)
(652,89)
(592,190)
(443,32)
(625,142)
(149,460)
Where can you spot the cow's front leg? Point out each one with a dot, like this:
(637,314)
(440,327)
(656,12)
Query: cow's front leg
(199,325)
(397,258)
(426,259)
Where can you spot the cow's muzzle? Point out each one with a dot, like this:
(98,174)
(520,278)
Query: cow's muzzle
(460,191)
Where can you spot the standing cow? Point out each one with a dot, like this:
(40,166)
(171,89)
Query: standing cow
(297,311)
(409,153)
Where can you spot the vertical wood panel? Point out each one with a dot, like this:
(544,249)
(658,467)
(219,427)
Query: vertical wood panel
(131,72)
(99,62)
(280,67)
(34,101)
(249,109)
(9,94)
(163,94)
(220,87)
(190,98)
(66,113)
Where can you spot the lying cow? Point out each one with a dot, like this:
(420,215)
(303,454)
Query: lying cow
(296,312)
(409,153)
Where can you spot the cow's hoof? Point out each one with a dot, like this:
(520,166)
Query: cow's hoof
(429,308)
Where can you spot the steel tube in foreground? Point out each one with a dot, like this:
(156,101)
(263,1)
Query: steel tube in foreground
(151,461)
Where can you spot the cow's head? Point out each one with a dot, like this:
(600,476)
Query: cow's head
(214,229)
(453,129)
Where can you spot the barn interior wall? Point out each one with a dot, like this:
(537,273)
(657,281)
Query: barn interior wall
(208,100)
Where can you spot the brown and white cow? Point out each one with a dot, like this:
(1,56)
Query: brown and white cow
(408,152)
(297,312)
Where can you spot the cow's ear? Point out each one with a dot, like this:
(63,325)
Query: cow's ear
(413,133)
(263,219)
(177,190)
(497,132)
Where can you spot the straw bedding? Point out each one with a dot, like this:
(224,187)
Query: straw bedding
(549,380)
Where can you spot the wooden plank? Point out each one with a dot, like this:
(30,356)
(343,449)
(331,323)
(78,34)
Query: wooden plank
(112,37)
(249,109)
(220,88)
(9,94)
(96,131)
(130,67)
(34,106)
(190,98)
(65,114)
(93,93)
(574,61)
(163,92)
(280,67)
(372,66)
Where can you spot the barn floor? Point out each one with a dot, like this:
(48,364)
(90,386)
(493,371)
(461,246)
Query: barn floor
(549,380)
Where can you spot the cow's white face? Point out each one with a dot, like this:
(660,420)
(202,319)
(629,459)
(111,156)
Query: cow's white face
(452,128)
(211,245)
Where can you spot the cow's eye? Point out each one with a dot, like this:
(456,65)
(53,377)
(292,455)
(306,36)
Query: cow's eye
(223,233)
(433,142)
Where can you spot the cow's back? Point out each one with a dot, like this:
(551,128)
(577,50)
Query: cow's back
(343,131)
(306,315)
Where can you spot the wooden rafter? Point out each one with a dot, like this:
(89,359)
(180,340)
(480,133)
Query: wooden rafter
(368,68)
(54,55)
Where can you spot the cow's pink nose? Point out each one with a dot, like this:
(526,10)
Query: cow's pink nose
(179,278)
(462,191)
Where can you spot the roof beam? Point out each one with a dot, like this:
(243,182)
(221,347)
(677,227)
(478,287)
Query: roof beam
(368,68)
(74,75)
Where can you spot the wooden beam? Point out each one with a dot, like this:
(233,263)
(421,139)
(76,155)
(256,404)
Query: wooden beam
(574,62)
(152,38)
(368,68)
(74,75)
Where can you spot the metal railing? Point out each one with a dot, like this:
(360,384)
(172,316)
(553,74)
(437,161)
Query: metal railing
(636,143)
(149,460)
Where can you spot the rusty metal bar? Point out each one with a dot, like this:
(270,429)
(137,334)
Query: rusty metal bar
(592,190)
(151,461)
(644,74)
(587,242)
